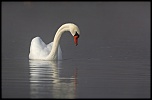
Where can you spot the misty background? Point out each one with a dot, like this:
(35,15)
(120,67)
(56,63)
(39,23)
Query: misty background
(112,59)
(102,24)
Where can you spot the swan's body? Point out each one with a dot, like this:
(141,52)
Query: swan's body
(52,51)
(39,50)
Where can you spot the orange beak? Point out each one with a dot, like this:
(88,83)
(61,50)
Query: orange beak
(76,40)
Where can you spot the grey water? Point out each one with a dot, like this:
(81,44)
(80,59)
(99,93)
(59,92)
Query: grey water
(112,59)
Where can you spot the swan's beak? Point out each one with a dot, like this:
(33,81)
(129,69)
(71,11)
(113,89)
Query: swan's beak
(76,40)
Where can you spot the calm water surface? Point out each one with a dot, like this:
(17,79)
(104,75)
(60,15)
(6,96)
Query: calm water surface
(112,59)
(91,78)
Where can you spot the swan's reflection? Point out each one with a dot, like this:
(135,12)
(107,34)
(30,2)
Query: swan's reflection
(46,81)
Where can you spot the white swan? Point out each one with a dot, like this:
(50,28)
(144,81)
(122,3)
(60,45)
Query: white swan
(40,51)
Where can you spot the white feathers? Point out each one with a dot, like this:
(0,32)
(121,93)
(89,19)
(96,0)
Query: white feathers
(39,50)
(52,51)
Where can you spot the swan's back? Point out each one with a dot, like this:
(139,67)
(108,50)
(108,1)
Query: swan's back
(39,50)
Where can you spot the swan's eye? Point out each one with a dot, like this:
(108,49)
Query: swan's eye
(76,34)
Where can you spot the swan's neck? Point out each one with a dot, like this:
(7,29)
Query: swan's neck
(53,54)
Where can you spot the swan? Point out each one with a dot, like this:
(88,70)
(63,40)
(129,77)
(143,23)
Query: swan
(52,51)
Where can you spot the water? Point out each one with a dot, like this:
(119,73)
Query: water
(75,79)
(112,59)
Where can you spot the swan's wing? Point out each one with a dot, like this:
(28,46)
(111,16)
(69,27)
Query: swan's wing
(49,46)
(38,49)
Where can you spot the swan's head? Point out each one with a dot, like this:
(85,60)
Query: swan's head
(75,32)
